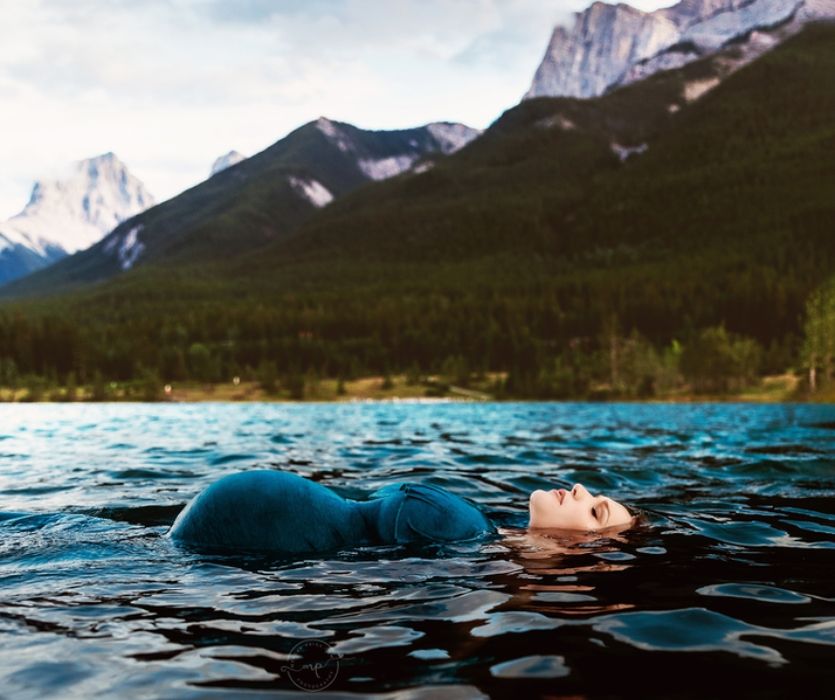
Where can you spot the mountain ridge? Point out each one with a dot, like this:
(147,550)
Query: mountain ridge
(273,191)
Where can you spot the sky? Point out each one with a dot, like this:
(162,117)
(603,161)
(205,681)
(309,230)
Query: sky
(170,85)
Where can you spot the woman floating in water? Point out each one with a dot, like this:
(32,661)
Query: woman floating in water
(279,511)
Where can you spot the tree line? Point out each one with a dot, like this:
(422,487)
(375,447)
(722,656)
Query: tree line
(535,351)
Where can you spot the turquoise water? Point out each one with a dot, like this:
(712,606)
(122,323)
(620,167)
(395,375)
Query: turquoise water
(729,577)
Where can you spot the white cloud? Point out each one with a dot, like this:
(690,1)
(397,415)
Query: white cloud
(171,84)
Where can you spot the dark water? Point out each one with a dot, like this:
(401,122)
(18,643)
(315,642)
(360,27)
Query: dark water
(728,586)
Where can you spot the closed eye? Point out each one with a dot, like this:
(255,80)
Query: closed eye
(602,512)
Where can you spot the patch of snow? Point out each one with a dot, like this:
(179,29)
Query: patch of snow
(226,161)
(424,167)
(556,121)
(312,190)
(130,247)
(762,41)
(696,88)
(334,133)
(384,168)
(327,127)
(624,152)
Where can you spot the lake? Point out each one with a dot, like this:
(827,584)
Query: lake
(727,579)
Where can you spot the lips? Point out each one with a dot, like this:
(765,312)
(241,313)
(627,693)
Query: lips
(560,494)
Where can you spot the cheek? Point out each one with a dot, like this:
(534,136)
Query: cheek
(545,512)
(538,507)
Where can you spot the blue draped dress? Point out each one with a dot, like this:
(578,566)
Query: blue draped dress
(283,512)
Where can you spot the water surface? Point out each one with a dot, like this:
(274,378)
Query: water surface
(729,577)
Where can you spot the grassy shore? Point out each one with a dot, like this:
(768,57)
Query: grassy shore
(770,389)
(376,388)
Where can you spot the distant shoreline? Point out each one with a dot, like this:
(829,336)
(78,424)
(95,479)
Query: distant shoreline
(396,388)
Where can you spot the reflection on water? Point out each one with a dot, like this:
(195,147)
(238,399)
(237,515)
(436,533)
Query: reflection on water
(731,569)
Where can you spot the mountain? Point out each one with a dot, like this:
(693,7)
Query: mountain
(261,199)
(611,45)
(569,228)
(642,207)
(226,161)
(69,214)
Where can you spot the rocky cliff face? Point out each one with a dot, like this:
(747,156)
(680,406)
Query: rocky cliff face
(69,214)
(611,45)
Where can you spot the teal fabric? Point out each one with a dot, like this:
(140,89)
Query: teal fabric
(283,512)
(424,513)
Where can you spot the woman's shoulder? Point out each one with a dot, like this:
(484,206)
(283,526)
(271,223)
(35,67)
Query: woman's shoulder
(425,512)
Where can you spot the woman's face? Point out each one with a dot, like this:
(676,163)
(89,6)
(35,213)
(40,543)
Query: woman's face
(576,509)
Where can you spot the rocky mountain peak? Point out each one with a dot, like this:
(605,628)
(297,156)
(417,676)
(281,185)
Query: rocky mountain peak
(72,212)
(611,45)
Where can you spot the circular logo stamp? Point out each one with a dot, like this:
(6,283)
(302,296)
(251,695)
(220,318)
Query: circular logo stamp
(315,665)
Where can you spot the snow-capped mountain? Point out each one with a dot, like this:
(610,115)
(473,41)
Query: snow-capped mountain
(261,199)
(226,161)
(611,45)
(69,214)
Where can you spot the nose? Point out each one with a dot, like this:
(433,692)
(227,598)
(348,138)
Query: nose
(579,491)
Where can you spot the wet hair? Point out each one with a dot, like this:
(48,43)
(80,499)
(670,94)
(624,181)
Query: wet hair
(640,517)
(640,521)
